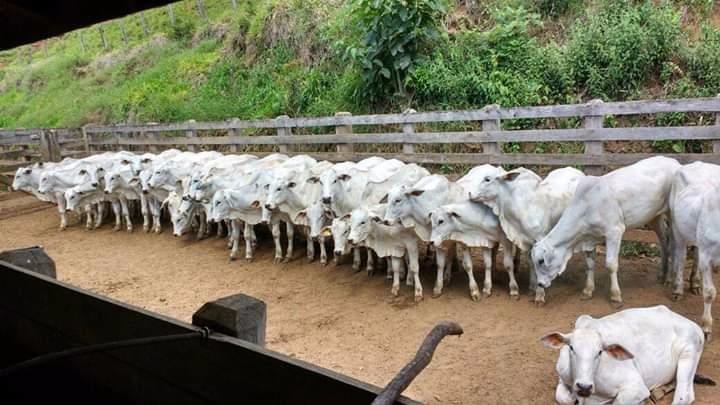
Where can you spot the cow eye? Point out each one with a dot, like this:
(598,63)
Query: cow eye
(441,222)
(541,262)
(217,202)
(599,353)
(398,201)
(571,348)
(278,189)
(362,223)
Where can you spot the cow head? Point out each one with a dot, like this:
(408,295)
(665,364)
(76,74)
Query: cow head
(333,185)
(316,216)
(23,179)
(490,186)
(280,190)
(400,204)
(362,222)
(549,262)
(585,348)
(443,224)
(340,231)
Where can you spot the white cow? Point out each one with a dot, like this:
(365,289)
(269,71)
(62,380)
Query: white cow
(28,179)
(695,211)
(474,225)
(528,207)
(367,228)
(621,358)
(411,205)
(602,209)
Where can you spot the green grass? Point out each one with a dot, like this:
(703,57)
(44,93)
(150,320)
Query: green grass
(273,57)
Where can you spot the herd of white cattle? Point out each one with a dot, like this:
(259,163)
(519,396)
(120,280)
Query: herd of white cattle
(386,207)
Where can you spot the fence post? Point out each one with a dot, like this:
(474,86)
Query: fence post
(594,147)
(408,130)
(143,23)
(86,139)
(152,135)
(491,148)
(82,41)
(102,37)
(716,142)
(342,130)
(234,131)
(121,23)
(283,131)
(234,3)
(201,10)
(171,14)
(49,148)
(191,133)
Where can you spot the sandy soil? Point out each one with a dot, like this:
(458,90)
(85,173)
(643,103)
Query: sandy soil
(348,322)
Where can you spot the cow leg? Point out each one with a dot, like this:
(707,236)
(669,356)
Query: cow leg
(323,251)
(441,256)
(156,210)
(660,226)
(468,267)
(389,270)
(310,249)
(290,230)
(587,292)
(278,246)
(219,231)
(396,264)
(100,215)
(612,255)
(695,282)
(685,374)
(370,265)
(678,264)
(534,287)
(509,264)
(249,242)
(202,225)
(89,216)
(356,259)
(126,214)
(235,239)
(145,210)
(449,258)
(709,291)
(61,205)
(117,210)
(413,255)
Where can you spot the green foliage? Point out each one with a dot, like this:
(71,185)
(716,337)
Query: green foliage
(703,61)
(612,53)
(504,65)
(554,8)
(182,30)
(394,34)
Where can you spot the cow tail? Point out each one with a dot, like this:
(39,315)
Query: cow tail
(704,380)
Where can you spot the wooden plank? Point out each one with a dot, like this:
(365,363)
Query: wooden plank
(190,133)
(711,104)
(494,125)
(535,135)
(594,147)
(539,159)
(716,143)
(344,130)
(234,148)
(408,130)
(283,132)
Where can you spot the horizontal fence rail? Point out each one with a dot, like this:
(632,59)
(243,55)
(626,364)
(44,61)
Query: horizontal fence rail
(408,129)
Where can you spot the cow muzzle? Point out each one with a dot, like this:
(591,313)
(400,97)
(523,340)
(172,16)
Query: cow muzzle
(583,390)
(327,200)
(145,192)
(338,253)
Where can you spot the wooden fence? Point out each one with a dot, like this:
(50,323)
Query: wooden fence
(340,142)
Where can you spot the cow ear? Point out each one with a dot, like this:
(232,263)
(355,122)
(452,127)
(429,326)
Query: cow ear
(330,214)
(376,218)
(28,171)
(618,352)
(509,176)
(384,200)
(326,231)
(255,204)
(554,340)
(415,193)
(344,177)
(291,184)
(134,180)
(313,179)
(454,214)
(346,216)
(300,215)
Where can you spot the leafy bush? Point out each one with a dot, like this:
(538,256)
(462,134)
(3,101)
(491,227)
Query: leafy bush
(616,49)
(182,30)
(554,8)
(703,61)
(503,65)
(394,33)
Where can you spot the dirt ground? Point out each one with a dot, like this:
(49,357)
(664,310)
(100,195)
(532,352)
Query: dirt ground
(346,321)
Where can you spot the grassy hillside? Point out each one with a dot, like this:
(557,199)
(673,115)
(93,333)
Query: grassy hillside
(313,57)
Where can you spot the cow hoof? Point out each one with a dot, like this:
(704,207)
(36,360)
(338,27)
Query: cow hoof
(586,296)
(395,291)
(617,304)
(539,302)
(676,297)
(356,268)
(418,298)
(277,260)
(286,260)
(323,263)
(696,290)
(370,272)
(116,229)
(708,336)
(232,258)
(249,259)
(129,230)
(158,231)
(515,296)
(475,296)
(146,229)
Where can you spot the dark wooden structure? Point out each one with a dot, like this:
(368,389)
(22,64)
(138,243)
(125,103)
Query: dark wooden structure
(40,315)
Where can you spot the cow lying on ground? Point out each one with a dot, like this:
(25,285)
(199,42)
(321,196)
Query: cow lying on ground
(621,358)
